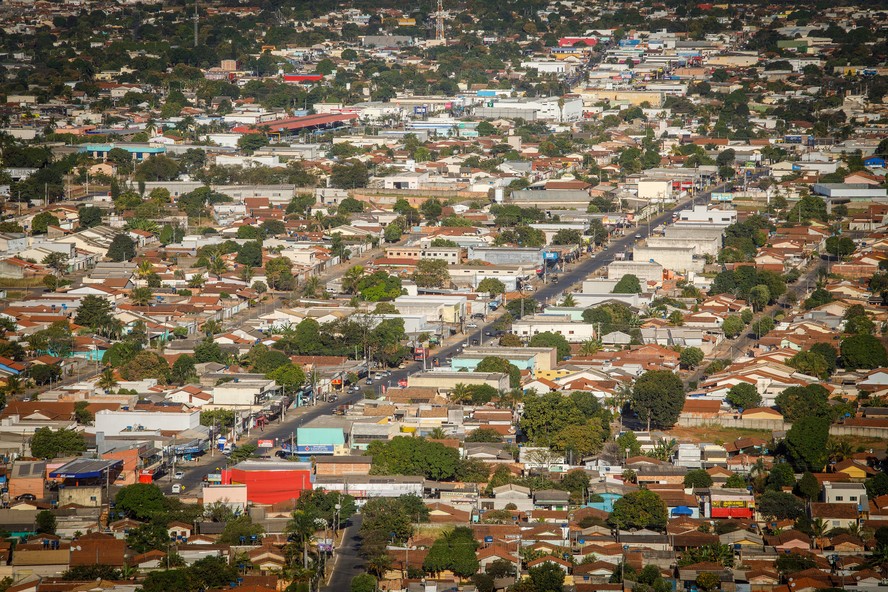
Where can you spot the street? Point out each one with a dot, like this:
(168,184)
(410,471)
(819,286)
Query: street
(347,563)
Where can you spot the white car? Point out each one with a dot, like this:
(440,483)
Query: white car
(179,475)
(472,325)
(378,376)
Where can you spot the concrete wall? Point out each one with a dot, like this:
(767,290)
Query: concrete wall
(676,259)
(698,246)
(749,424)
(84,496)
(645,271)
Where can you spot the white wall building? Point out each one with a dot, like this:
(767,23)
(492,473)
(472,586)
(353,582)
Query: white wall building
(114,423)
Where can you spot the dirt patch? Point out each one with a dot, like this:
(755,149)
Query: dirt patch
(715,434)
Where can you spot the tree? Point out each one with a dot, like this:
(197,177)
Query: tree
(547,577)
(840,246)
(658,397)
(744,396)
(148,537)
(93,312)
(140,501)
(413,456)
(42,221)
(323,505)
(290,376)
(46,443)
(496,364)
(392,234)
(805,443)
(759,297)
(628,284)
(122,248)
(639,509)
(863,352)
(208,351)
(431,273)
(583,440)
(707,581)
(698,478)
(691,357)
(141,296)
(567,236)
(183,370)
(454,551)
(781,505)
(250,254)
(57,262)
(45,522)
(809,487)
(780,476)
(91,572)
(797,402)
(89,216)
(364,583)
(349,175)
(491,286)
(240,529)
(44,373)
(431,210)
(732,326)
(550,339)
(484,435)
(810,363)
(146,364)
(55,340)
(763,326)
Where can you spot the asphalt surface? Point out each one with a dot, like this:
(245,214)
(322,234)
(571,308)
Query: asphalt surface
(347,562)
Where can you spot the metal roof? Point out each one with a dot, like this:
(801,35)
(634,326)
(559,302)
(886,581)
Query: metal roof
(85,468)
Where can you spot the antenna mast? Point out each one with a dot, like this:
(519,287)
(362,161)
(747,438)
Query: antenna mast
(196,19)
(439,25)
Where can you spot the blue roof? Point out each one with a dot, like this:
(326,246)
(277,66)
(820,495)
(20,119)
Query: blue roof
(128,148)
(86,468)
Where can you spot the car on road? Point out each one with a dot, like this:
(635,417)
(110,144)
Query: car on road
(177,488)
(472,325)
(378,376)
(178,474)
(478,315)
(474,342)
(637,237)
(368,381)
(488,333)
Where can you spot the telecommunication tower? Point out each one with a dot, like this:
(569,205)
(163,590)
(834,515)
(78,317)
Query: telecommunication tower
(439,25)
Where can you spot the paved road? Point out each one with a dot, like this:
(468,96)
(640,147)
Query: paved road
(348,562)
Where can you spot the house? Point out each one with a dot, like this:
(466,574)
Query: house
(855,469)
(179,530)
(789,540)
(551,499)
(836,515)
(443,513)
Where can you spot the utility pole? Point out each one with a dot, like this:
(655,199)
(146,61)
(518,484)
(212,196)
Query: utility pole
(196,21)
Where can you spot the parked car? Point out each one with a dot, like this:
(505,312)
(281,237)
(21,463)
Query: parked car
(472,325)
(368,381)
(178,474)
(177,488)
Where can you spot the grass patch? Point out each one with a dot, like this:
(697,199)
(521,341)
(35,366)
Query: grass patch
(715,434)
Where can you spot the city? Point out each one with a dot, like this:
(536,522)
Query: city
(469,296)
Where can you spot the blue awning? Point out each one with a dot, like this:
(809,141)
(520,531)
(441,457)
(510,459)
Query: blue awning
(85,468)
(682,511)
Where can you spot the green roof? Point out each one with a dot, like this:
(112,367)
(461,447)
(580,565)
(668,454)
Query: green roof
(320,437)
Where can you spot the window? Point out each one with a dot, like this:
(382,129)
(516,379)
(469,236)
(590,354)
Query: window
(839,498)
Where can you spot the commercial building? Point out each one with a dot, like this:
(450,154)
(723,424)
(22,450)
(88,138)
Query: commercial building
(270,482)
(564,325)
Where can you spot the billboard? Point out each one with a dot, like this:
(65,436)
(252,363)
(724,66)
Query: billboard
(722,196)
(266,443)
(314,449)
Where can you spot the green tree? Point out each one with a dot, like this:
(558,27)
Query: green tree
(484,435)
(639,509)
(431,210)
(809,487)
(42,221)
(805,443)
(628,284)
(148,537)
(732,326)
(45,522)
(781,505)
(547,577)
(810,363)
(146,364)
(698,478)
(122,248)
(491,286)
(840,246)
(392,234)
(364,583)
(349,175)
(496,364)
(89,216)
(431,273)
(744,396)
(46,443)
(241,526)
(140,501)
(290,376)
(863,352)
(414,456)
(93,312)
(797,402)
(550,339)
(691,357)
(759,297)
(183,370)
(780,476)
(658,397)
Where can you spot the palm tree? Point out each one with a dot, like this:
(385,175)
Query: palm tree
(378,565)
(302,526)
(216,265)
(818,529)
(590,347)
(107,379)
(839,449)
(460,393)
(14,386)
(112,329)
(437,433)
(351,278)
(144,270)
(141,296)
(246,273)
(311,287)
(569,301)
(197,281)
